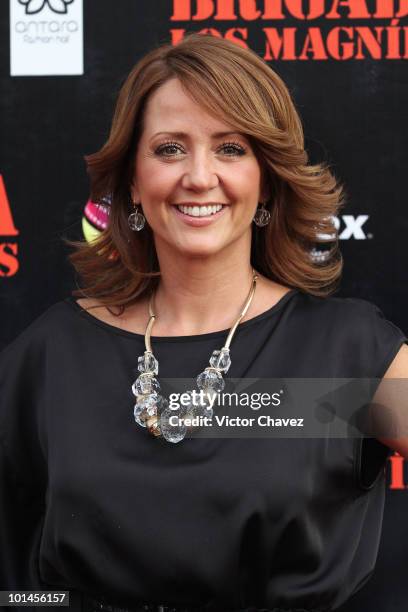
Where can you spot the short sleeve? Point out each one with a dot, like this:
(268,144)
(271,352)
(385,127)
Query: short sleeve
(386,340)
(22,464)
(382,340)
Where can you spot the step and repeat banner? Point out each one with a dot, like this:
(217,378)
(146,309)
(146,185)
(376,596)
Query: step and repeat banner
(345,63)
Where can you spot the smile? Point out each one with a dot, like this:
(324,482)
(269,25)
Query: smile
(199,216)
(200,211)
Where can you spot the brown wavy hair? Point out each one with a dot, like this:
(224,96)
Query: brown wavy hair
(120,267)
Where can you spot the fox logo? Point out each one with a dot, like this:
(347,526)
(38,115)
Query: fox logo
(353,228)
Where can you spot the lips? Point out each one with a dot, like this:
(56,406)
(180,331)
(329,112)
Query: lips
(197,221)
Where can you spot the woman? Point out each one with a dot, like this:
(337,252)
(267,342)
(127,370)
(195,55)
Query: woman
(214,213)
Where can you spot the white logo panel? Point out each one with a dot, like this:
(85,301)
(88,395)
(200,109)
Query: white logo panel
(46,37)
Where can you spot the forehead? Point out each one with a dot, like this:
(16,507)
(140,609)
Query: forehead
(169,107)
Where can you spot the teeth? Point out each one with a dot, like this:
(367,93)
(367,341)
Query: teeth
(200,211)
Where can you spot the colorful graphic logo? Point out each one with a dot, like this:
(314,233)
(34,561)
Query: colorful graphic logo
(33,7)
(96,218)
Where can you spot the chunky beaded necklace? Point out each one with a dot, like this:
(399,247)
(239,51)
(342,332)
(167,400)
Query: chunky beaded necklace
(152,410)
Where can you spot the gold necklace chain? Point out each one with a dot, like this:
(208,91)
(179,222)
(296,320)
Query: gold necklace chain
(151,409)
(245,307)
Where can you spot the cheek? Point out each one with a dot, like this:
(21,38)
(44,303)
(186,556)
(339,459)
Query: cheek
(155,183)
(247,180)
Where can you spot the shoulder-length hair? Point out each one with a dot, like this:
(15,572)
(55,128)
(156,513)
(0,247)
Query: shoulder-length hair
(230,82)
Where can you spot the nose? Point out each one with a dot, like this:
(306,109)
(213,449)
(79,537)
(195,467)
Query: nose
(200,174)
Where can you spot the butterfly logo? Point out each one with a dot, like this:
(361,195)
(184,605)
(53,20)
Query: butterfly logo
(36,6)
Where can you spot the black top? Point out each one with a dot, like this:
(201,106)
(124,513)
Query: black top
(91,501)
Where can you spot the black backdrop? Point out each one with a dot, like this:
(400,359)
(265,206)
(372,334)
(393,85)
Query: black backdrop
(345,64)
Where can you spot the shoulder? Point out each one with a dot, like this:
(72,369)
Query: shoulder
(38,333)
(353,331)
(101,312)
(23,368)
(358,316)
(338,310)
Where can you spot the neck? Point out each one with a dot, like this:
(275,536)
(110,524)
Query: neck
(197,295)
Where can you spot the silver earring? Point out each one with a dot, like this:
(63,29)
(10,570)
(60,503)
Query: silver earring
(136,219)
(262,216)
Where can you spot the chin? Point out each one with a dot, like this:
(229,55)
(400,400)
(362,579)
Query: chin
(199,249)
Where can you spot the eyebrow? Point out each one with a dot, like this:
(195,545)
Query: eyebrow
(184,135)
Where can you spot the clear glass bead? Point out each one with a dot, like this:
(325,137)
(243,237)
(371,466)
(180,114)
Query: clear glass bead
(147,406)
(148,363)
(145,384)
(189,401)
(210,380)
(197,407)
(144,408)
(203,409)
(189,408)
(221,359)
(207,409)
(209,393)
(172,433)
(162,404)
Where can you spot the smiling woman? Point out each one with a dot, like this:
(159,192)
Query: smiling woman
(208,123)
(214,213)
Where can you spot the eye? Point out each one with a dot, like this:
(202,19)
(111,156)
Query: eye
(169,149)
(163,150)
(235,147)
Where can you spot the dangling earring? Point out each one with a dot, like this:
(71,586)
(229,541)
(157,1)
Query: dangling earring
(136,219)
(262,216)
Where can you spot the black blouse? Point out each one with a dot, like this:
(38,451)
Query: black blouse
(90,502)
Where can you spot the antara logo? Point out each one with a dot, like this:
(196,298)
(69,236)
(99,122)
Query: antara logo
(8,249)
(32,7)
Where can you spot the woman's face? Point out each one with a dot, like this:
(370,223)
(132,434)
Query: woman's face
(182,159)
